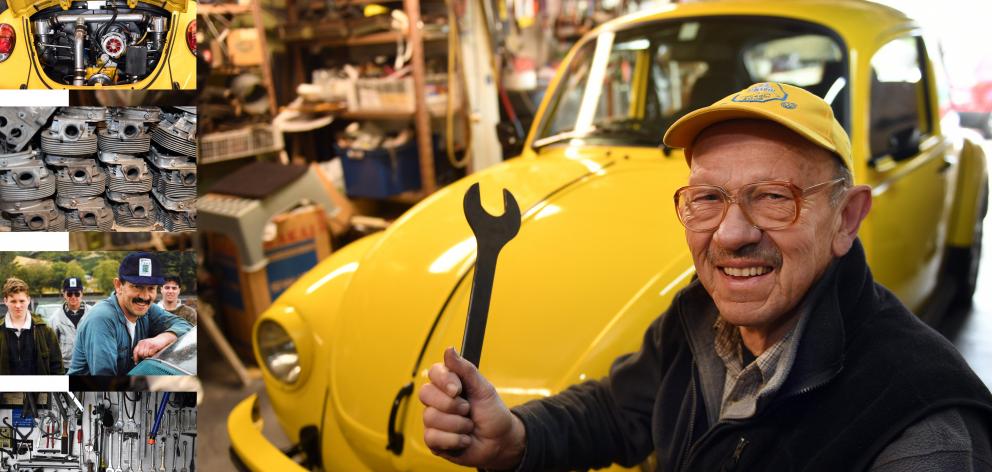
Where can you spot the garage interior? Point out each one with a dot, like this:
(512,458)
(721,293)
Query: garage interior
(346,104)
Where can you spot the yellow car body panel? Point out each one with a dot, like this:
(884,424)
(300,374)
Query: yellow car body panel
(599,255)
(22,70)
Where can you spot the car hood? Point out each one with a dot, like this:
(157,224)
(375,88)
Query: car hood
(29,7)
(599,240)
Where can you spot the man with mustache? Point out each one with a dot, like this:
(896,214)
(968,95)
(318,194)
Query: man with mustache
(28,346)
(127,326)
(784,354)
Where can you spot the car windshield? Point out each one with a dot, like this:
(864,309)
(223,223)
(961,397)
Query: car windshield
(627,87)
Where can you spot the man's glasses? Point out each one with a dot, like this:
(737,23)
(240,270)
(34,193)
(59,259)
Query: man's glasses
(73,294)
(766,205)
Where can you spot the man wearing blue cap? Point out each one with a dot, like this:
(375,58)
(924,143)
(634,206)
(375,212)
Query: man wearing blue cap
(127,326)
(66,321)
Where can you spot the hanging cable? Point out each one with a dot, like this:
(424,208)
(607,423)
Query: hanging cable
(454,53)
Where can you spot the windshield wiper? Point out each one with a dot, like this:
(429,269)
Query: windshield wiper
(557,138)
(620,129)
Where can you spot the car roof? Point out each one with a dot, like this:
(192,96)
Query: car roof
(852,19)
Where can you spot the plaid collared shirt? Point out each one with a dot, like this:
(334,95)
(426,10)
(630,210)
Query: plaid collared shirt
(744,385)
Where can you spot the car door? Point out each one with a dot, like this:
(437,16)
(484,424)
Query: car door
(908,170)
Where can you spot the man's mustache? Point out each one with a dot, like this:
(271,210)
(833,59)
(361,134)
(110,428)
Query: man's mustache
(139,300)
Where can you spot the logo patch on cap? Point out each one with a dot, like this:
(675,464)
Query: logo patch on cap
(763,92)
(144,267)
(72,283)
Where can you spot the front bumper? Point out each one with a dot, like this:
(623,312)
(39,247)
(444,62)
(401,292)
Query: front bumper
(244,429)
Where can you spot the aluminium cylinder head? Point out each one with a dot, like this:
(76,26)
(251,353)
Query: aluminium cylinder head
(70,135)
(177,132)
(124,136)
(18,125)
(174,177)
(87,213)
(133,210)
(126,130)
(176,221)
(24,177)
(78,177)
(35,215)
(126,173)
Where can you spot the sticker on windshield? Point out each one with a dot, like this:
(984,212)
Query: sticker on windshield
(144,267)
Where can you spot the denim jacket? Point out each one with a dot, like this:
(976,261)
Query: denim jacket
(103,344)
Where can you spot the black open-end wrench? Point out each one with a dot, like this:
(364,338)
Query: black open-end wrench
(491,234)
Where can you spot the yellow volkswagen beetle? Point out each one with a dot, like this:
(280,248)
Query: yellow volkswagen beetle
(600,252)
(115,44)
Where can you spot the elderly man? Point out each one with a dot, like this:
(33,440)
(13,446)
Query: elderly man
(127,326)
(27,345)
(783,355)
(66,321)
(172,303)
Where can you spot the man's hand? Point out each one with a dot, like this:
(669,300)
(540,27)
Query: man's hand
(149,347)
(477,432)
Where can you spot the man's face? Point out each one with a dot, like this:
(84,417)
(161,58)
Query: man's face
(135,299)
(73,298)
(736,153)
(170,292)
(17,303)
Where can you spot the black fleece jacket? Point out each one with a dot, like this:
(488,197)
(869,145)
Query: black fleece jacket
(865,370)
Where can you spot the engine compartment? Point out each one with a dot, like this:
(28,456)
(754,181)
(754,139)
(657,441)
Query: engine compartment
(109,45)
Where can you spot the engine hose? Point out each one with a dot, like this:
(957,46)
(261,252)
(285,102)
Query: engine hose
(454,45)
(158,418)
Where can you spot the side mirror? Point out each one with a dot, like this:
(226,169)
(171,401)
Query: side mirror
(905,143)
(509,138)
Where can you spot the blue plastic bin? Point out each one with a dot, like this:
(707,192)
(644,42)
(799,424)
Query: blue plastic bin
(381,172)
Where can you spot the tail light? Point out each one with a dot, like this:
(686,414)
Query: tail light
(191,37)
(7,40)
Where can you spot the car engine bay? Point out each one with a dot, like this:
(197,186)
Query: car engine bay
(113,45)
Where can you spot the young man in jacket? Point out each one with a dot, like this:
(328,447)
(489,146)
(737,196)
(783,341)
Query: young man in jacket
(27,345)
(172,303)
(783,355)
(66,321)
(127,326)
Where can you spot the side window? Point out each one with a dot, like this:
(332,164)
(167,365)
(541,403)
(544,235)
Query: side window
(900,115)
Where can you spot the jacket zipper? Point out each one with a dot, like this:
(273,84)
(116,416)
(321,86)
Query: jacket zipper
(687,450)
(739,450)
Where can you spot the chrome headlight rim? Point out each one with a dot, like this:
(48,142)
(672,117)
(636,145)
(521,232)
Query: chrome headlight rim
(278,351)
(279,335)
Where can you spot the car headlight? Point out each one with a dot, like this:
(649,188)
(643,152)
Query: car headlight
(278,352)
(7,40)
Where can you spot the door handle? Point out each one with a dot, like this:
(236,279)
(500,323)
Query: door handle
(944,166)
(395,438)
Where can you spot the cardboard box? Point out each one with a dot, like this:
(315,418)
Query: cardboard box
(244,47)
(301,240)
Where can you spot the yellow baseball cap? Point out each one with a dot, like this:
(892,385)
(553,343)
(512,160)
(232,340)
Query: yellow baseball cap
(787,105)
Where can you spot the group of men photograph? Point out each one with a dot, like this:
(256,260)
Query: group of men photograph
(106,338)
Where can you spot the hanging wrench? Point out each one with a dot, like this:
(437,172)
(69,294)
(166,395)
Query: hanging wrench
(185,456)
(109,443)
(120,451)
(130,456)
(491,234)
(161,466)
(175,440)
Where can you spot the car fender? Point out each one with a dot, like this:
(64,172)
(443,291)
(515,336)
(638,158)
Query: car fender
(317,316)
(972,180)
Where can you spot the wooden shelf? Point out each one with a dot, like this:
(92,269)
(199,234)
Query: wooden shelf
(386,37)
(223,9)
(376,115)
